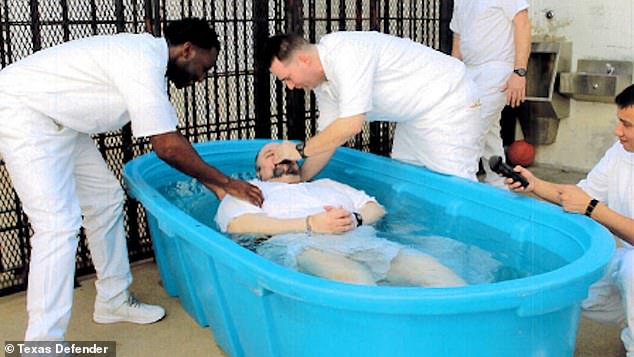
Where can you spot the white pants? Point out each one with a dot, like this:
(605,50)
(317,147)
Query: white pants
(490,78)
(59,175)
(611,299)
(448,139)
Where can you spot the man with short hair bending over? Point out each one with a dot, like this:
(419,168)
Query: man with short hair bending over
(322,228)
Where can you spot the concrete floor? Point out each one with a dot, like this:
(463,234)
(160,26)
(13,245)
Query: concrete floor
(176,335)
(179,335)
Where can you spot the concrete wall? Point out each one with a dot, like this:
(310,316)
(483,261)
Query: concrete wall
(597,30)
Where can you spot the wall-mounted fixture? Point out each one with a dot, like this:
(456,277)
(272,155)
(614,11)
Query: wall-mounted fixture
(545,105)
(597,80)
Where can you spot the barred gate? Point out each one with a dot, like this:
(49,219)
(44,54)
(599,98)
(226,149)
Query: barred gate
(238,100)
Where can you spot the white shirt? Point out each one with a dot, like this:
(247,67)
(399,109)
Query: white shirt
(287,201)
(486,29)
(386,77)
(611,181)
(97,84)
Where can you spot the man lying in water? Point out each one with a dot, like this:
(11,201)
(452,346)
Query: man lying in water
(322,228)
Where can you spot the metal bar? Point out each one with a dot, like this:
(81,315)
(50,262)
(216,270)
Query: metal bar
(434,23)
(93,17)
(36,39)
(375,22)
(375,127)
(262,82)
(311,21)
(279,109)
(119,15)
(278,22)
(386,16)
(342,15)
(312,38)
(358,26)
(130,204)
(413,30)
(182,9)
(245,54)
(215,77)
(190,112)
(65,20)
(445,36)
(280,100)
(59,22)
(328,16)
(295,104)
(236,71)
(3,27)
(161,18)
(207,92)
(358,15)
(100,138)
(3,269)
(226,82)
(152,16)
(24,233)
(135,15)
(189,93)
(399,18)
(425,23)
(278,86)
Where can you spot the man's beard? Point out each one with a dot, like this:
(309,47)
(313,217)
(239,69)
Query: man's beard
(285,167)
(178,75)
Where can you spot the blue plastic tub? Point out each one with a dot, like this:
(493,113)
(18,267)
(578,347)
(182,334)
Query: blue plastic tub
(257,308)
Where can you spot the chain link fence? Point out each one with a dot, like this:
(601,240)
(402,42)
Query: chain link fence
(239,99)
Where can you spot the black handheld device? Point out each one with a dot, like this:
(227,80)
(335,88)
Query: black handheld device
(500,167)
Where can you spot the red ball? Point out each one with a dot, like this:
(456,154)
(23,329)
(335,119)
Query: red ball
(521,153)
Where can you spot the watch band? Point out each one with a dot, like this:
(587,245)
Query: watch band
(300,149)
(593,203)
(359,218)
(520,72)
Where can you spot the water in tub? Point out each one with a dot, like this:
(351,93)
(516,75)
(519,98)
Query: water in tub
(475,254)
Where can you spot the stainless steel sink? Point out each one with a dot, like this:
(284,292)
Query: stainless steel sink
(547,60)
(544,104)
(596,80)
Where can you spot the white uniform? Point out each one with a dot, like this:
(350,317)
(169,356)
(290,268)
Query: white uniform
(309,198)
(423,90)
(611,299)
(488,50)
(49,104)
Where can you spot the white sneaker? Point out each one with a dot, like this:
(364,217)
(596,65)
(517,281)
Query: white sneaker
(131,310)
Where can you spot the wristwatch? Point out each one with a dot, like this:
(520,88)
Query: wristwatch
(300,149)
(359,218)
(520,72)
(591,206)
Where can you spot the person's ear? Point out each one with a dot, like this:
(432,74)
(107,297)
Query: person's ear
(188,50)
(304,58)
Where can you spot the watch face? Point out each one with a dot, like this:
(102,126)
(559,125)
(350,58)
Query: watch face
(300,149)
(520,72)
